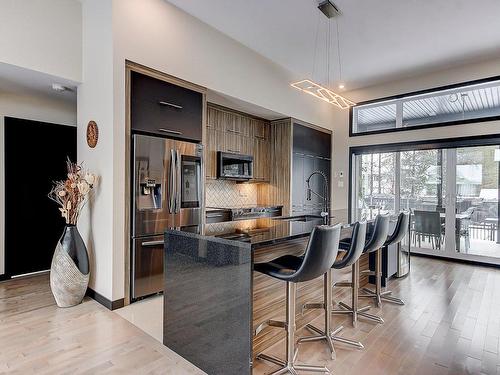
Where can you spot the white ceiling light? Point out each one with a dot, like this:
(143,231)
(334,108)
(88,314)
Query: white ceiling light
(316,89)
(60,88)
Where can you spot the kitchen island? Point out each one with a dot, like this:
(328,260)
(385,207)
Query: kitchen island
(208,289)
(213,300)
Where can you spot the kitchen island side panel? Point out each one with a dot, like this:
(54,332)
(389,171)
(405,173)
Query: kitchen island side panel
(208,302)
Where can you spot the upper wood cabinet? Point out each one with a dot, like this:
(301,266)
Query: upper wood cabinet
(261,161)
(160,107)
(240,134)
(260,129)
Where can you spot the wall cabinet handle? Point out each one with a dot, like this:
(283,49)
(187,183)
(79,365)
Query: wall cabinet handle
(169,131)
(152,243)
(167,104)
(233,131)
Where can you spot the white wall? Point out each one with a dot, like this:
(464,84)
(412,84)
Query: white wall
(159,35)
(342,141)
(95,102)
(32,107)
(42,35)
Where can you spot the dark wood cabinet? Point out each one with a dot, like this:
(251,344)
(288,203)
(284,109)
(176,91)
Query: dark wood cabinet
(160,107)
(310,141)
(311,152)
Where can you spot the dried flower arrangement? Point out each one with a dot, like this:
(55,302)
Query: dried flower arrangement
(73,193)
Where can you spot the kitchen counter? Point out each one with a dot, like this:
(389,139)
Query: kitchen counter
(209,288)
(262,232)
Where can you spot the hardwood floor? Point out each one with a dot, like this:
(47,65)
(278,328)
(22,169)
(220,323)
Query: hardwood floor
(37,337)
(449,325)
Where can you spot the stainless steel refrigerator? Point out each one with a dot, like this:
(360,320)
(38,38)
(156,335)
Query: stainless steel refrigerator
(168,193)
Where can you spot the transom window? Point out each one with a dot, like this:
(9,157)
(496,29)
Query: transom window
(464,103)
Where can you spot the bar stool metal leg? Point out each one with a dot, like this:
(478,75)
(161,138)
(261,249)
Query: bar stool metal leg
(378,294)
(355,310)
(328,334)
(289,365)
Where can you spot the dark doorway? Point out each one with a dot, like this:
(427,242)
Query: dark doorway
(35,156)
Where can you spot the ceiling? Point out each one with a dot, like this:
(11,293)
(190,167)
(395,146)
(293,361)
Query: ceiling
(242,106)
(21,81)
(380,41)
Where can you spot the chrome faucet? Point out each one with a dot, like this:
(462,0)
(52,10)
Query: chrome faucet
(326,208)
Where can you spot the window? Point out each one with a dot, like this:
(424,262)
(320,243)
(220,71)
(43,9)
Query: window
(452,190)
(464,103)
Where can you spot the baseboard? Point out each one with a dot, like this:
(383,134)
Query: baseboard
(456,260)
(110,305)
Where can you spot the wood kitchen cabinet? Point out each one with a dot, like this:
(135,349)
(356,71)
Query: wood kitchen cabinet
(236,124)
(163,108)
(237,133)
(237,144)
(261,159)
(215,142)
(311,150)
(260,129)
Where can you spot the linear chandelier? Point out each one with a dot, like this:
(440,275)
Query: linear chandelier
(330,10)
(320,92)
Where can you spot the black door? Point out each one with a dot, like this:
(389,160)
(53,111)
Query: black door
(35,155)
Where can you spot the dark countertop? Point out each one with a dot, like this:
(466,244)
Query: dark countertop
(208,291)
(261,232)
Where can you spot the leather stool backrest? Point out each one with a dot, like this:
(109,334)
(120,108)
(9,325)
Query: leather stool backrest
(356,247)
(378,233)
(320,254)
(400,230)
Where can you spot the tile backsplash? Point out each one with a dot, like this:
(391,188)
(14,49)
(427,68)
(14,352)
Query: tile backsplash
(223,193)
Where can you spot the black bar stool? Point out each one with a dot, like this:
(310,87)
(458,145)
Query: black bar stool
(320,254)
(400,231)
(377,238)
(350,258)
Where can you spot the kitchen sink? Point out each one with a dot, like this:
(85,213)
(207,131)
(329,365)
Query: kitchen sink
(301,218)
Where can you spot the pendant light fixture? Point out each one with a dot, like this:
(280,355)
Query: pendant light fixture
(316,89)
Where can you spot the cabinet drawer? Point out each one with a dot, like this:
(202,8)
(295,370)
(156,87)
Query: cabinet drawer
(164,108)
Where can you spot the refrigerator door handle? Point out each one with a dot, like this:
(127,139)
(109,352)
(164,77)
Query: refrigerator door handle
(179,182)
(172,184)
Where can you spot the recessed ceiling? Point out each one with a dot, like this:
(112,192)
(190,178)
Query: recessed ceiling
(380,41)
(21,81)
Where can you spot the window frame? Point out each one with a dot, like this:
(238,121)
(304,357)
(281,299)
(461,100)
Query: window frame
(416,93)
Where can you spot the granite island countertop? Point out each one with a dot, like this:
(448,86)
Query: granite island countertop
(262,232)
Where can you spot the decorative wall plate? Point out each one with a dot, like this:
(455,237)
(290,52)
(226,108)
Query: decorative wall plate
(92,134)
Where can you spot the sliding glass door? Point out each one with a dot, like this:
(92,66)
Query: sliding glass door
(452,193)
(476,203)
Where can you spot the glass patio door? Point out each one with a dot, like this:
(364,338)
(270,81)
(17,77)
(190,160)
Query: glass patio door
(453,195)
(477,201)
(422,192)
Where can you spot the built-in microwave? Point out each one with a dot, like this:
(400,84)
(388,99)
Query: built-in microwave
(234,166)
